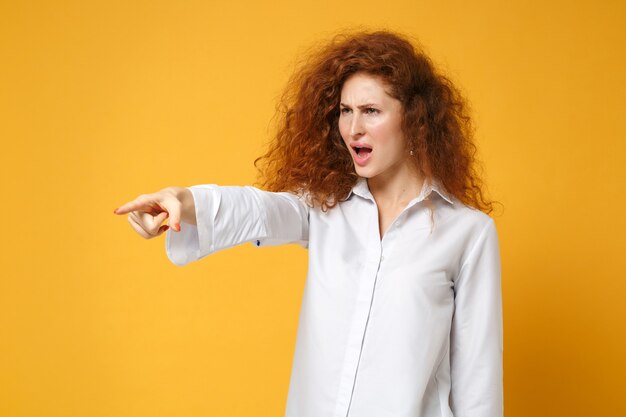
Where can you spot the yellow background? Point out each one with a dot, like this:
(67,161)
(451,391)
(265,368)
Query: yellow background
(101,101)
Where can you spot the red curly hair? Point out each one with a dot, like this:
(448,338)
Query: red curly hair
(308,154)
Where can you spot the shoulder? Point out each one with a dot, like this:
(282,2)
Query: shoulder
(465,226)
(474,230)
(464,216)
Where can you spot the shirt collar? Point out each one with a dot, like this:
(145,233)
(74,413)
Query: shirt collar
(361,189)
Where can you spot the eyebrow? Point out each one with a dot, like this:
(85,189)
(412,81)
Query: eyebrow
(362,106)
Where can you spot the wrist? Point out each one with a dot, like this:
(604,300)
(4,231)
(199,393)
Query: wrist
(188,208)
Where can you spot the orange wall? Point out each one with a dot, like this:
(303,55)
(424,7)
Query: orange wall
(103,100)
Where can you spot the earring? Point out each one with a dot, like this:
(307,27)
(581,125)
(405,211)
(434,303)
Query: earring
(411,153)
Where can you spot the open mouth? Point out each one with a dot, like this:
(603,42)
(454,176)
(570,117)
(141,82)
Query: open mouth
(362,152)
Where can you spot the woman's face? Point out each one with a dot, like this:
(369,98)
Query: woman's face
(370,125)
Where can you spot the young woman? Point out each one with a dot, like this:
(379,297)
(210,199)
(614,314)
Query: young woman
(372,170)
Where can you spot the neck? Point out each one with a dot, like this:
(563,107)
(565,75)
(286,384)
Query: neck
(396,188)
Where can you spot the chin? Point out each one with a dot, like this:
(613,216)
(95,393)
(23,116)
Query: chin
(364,172)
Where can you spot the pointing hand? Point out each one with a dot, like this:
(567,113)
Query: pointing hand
(148,211)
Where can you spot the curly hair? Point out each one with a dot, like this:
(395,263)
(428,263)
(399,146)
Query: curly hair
(308,156)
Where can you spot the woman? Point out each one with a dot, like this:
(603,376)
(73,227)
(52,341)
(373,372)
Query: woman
(402,311)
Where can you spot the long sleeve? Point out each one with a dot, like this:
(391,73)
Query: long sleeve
(230,215)
(476,339)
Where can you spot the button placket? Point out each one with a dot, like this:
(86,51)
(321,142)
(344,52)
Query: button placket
(358,328)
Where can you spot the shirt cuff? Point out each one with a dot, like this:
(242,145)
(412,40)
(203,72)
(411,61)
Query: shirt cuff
(194,242)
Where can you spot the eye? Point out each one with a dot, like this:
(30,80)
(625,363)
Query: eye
(371,110)
(343,110)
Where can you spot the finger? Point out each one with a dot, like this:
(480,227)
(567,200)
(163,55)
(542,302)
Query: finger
(149,219)
(172,205)
(149,223)
(162,229)
(160,218)
(156,208)
(152,219)
(138,228)
(136,216)
(144,202)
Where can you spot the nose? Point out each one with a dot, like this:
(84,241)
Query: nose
(356,126)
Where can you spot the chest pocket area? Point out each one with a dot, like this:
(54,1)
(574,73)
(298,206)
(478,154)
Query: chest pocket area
(415,282)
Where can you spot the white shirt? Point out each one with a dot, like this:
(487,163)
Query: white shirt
(407,326)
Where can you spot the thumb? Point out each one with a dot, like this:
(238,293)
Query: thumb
(161,217)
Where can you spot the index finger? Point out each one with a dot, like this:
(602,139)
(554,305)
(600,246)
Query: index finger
(141,203)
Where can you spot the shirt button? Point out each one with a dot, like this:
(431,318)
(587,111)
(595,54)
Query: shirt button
(382,258)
